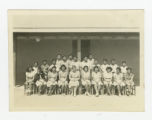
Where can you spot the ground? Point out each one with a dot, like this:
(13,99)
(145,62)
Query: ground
(78,103)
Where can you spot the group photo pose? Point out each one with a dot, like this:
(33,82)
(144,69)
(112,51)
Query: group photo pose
(72,76)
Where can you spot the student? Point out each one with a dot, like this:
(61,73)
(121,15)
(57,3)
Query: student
(64,62)
(85,63)
(118,81)
(108,79)
(113,65)
(41,84)
(29,80)
(129,80)
(104,65)
(52,81)
(76,63)
(69,61)
(74,77)
(44,68)
(53,64)
(95,64)
(124,67)
(90,60)
(58,62)
(35,67)
(97,80)
(85,79)
(63,83)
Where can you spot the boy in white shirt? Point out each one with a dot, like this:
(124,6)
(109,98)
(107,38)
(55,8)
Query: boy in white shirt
(113,65)
(104,66)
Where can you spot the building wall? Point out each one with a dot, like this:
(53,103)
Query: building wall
(120,50)
(28,51)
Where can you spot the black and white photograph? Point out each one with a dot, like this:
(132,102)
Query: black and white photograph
(76,60)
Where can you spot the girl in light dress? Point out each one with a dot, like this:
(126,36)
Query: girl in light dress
(108,76)
(129,80)
(52,81)
(74,77)
(29,80)
(63,83)
(85,79)
(41,83)
(97,80)
(118,81)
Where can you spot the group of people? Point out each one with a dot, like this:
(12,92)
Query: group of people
(72,76)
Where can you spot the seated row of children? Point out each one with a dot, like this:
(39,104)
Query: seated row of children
(71,76)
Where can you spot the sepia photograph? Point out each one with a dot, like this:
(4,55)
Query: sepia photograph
(76,60)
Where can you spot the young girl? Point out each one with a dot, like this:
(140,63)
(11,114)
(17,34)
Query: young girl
(96,80)
(129,80)
(53,64)
(52,81)
(118,81)
(62,83)
(90,60)
(74,77)
(108,79)
(85,63)
(85,79)
(124,67)
(41,84)
(64,62)
(29,80)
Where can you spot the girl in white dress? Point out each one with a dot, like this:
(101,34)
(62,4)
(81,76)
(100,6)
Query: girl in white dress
(58,62)
(85,79)
(29,80)
(104,65)
(63,83)
(74,77)
(129,80)
(108,76)
(97,80)
(69,61)
(118,81)
(52,81)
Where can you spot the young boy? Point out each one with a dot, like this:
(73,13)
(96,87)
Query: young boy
(113,65)
(44,68)
(104,66)
(58,62)
(124,67)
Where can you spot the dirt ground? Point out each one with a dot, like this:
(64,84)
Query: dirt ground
(79,103)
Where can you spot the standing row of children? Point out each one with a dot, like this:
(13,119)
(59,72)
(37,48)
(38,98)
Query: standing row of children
(67,76)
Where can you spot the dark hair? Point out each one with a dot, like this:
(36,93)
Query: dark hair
(95,68)
(109,68)
(52,68)
(118,68)
(53,60)
(36,62)
(129,68)
(113,59)
(124,62)
(27,69)
(85,67)
(44,60)
(42,74)
(63,66)
(105,60)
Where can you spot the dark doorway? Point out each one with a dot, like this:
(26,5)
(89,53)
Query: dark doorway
(85,48)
